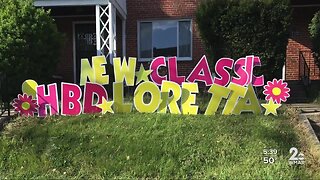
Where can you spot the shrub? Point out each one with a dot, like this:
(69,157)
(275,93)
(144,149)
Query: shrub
(237,28)
(314,30)
(29,43)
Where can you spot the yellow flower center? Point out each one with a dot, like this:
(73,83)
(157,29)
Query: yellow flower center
(25,105)
(276,91)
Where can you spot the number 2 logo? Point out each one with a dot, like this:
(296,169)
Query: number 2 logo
(294,151)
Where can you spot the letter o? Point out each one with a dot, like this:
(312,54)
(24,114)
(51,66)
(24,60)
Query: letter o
(139,93)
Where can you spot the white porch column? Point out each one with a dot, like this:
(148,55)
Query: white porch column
(98,35)
(106,30)
(112,32)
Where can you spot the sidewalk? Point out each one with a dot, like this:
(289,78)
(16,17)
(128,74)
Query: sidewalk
(310,115)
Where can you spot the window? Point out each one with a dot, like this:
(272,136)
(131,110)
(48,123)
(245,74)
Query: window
(165,38)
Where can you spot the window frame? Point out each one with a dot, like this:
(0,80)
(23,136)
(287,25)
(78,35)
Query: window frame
(177,22)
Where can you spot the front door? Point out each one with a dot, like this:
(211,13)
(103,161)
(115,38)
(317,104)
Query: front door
(85,45)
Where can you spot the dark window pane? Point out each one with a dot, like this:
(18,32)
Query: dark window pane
(184,39)
(146,40)
(164,38)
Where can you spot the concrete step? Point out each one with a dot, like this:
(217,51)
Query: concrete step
(304,105)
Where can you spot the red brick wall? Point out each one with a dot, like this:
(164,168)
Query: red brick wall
(300,41)
(166,10)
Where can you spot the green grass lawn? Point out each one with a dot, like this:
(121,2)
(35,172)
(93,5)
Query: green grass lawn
(148,146)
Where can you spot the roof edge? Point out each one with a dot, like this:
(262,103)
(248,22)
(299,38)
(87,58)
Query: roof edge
(52,3)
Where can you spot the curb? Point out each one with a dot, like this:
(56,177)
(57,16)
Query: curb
(314,138)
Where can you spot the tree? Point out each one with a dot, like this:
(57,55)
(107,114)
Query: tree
(29,43)
(246,27)
(314,30)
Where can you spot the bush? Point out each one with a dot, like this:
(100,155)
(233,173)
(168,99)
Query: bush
(29,43)
(314,30)
(237,28)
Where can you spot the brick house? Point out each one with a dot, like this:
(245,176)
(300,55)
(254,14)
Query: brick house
(148,28)
(117,28)
(300,62)
(301,71)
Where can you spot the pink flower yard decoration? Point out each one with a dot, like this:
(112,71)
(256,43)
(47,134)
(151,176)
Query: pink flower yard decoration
(25,105)
(276,90)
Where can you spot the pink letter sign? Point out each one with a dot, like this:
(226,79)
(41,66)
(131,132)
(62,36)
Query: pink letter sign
(257,81)
(49,100)
(201,72)
(173,71)
(154,66)
(90,91)
(240,68)
(70,99)
(224,76)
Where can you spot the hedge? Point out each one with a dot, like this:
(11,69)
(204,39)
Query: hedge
(29,43)
(237,28)
(314,30)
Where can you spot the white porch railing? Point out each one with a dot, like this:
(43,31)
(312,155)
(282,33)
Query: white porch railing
(106,30)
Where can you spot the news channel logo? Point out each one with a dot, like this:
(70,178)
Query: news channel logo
(270,156)
(296,156)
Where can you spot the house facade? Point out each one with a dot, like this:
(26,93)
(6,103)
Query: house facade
(300,64)
(90,27)
(120,28)
(147,29)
